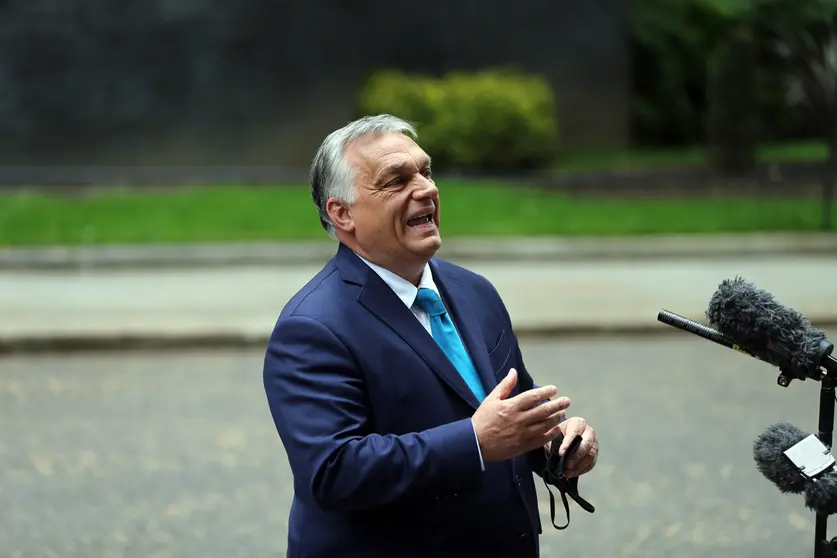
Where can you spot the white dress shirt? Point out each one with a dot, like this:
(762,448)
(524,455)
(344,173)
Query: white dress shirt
(407,292)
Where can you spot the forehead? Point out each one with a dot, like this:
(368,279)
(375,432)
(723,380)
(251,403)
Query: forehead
(374,153)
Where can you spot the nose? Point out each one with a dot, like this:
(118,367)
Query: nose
(425,188)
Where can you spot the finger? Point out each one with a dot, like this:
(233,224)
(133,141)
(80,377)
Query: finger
(588,462)
(583,466)
(550,434)
(585,446)
(589,442)
(556,418)
(540,428)
(505,387)
(579,454)
(532,397)
(572,427)
(547,411)
(586,452)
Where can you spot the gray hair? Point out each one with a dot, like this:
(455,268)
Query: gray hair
(331,175)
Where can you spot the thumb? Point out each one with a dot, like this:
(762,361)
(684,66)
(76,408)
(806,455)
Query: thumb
(571,429)
(506,385)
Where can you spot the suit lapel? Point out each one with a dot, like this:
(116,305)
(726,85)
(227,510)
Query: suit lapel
(456,300)
(376,296)
(379,299)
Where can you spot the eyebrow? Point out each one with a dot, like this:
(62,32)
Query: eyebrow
(401,168)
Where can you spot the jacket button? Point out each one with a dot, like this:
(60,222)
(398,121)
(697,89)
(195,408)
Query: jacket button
(524,538)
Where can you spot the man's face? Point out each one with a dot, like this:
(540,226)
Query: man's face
(395,220)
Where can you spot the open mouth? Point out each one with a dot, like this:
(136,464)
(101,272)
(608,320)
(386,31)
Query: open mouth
(421,220)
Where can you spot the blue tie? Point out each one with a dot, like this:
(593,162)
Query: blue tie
(448,339)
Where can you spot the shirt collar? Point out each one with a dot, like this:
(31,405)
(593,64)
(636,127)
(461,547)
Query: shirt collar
(405,290)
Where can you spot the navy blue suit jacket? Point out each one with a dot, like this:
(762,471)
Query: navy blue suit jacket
(376,422)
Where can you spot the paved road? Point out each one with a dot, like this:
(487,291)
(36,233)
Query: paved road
(138,455)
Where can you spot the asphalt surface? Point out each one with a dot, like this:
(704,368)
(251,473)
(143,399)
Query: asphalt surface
(174,454)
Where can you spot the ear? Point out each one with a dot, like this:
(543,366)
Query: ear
(341,215)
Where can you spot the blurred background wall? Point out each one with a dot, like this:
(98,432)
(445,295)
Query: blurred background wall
(634,99)
(253,82)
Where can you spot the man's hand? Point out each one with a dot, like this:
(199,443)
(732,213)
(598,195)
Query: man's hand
(507,428)
(587,452)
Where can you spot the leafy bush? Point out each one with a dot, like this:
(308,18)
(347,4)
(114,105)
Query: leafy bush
(490,120)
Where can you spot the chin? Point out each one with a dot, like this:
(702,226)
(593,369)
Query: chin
(430,245)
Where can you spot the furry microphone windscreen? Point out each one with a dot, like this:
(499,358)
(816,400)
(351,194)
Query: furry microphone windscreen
(821,495)
(771,461)
(752,318)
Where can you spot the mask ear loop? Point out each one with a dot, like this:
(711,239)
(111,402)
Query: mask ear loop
(554,474)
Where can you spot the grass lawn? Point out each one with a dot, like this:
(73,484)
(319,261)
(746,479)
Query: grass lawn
(243,214)
(646,159)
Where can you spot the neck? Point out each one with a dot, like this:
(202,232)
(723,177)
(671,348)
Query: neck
(410,271)
(414,277)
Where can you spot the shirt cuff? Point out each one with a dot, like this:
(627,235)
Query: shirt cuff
(479,451)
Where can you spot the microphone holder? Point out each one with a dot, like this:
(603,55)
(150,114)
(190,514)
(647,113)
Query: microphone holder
(825,548)
(825,372)
(827,376)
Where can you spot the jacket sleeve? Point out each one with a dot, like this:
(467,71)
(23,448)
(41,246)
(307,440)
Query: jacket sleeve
(315,392)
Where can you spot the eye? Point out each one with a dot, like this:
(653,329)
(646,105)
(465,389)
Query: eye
(428,174)
(395,182)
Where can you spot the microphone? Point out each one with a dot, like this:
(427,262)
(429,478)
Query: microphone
(781,336)
(798,464)
(751,322)
(768,452)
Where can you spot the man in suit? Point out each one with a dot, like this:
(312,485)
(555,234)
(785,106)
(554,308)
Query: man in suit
(396,382)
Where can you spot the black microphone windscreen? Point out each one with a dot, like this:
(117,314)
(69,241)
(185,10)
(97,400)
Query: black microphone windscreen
(753,319)
(771,461)
(821,494)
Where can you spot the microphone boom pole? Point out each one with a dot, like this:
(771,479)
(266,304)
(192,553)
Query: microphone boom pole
(823,548)
(700,330)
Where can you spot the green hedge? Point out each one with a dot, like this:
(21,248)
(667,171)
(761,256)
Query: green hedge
(489,120)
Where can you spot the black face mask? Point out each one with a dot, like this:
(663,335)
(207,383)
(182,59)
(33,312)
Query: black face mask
(553,474)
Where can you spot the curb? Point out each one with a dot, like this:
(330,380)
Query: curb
(21,346)
(534,249)
(97,344)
